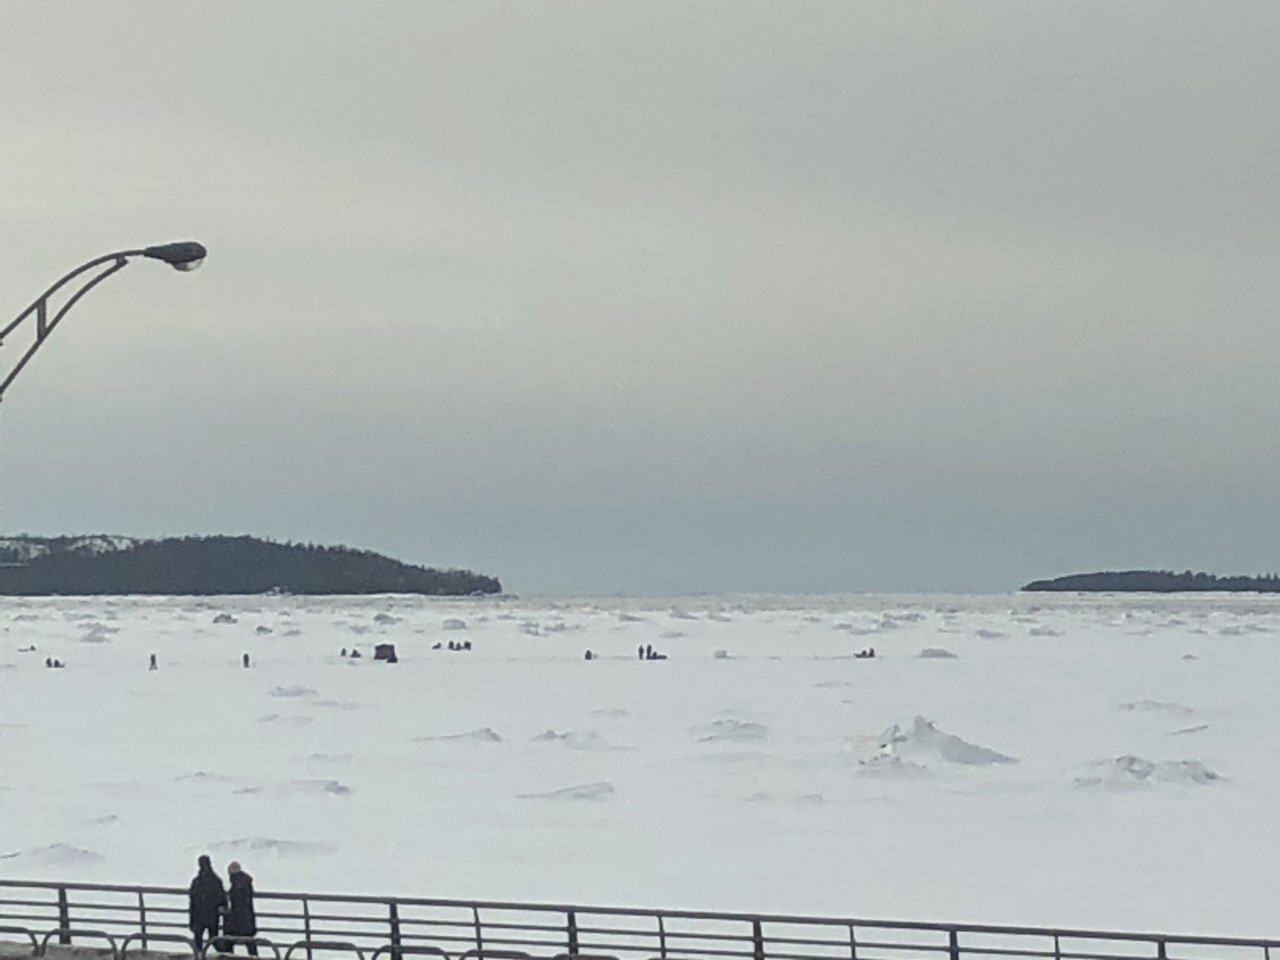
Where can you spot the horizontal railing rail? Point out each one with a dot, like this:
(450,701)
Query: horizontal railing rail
(334,926)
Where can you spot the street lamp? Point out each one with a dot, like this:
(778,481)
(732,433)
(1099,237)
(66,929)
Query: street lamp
(186,255)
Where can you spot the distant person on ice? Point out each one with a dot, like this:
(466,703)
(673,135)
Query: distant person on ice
(206,898)
(153,665)
(241,920)
(245,661)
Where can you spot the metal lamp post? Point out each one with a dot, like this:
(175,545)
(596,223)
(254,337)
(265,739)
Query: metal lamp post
(186,255)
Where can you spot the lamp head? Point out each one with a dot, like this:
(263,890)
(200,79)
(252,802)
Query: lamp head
(185,255)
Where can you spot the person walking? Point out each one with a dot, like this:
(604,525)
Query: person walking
(206,899)
(241,920)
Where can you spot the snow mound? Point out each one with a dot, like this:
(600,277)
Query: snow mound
(286,719)
(891,767)
(294,690)
(97,633)
(802,798)
(922,740)
(55,855)
(584,739)
(283,849)
(736,731)
(986,634)
(385,619)
(478,735)
(561,627)
(1044,632)
(453,623)
(1158,706)
(1130,770)
(548,736)
(591,792)
(937,653)
(204,776)
(312,788)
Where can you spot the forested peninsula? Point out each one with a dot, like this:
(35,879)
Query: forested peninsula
(214,565)
(1155,581)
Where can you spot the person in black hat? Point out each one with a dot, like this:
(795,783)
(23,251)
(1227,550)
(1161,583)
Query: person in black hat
(206,898)
(241,920)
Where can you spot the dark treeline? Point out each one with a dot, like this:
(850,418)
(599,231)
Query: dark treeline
(220,565)
(1156,581)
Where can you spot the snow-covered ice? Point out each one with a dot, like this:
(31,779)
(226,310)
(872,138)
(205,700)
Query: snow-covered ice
(1081,761)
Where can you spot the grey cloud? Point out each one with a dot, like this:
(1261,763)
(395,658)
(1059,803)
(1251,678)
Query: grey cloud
(657,296)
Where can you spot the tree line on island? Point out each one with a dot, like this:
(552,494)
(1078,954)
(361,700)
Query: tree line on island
(209,565)
(1155,581)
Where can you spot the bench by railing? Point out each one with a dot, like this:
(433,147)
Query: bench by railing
(339,927)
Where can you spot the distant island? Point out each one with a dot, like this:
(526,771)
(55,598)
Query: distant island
(205,566)
(1154,581)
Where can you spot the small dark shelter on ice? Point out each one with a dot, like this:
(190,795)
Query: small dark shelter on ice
(385,651)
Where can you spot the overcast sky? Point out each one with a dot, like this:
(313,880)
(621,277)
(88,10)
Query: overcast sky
(656,297)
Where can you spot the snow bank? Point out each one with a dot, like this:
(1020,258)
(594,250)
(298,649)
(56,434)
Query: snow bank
(55,855)
(478,735)
(272,846)
(582,740)
(590,792)
(1157,706)
(921,740)
(736,731)
(294,690)
(1130,770)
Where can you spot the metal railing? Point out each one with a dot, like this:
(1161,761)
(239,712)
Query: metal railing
(294,925)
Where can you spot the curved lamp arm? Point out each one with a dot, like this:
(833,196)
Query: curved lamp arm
(186,255)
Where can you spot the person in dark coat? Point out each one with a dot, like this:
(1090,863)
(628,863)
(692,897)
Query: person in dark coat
(241,920)
(206,899)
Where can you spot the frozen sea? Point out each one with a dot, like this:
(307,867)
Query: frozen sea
(1104,761)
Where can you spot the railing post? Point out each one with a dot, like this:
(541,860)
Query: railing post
(573,934)
(953,944)
(1160,950)
(757,938)
(662,939)
(475,917)
(395,930)
(306,925)
(853,943)
(1057,947)
(142,919)
(64,916)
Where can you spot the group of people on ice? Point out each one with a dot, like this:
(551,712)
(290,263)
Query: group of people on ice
(211,905)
